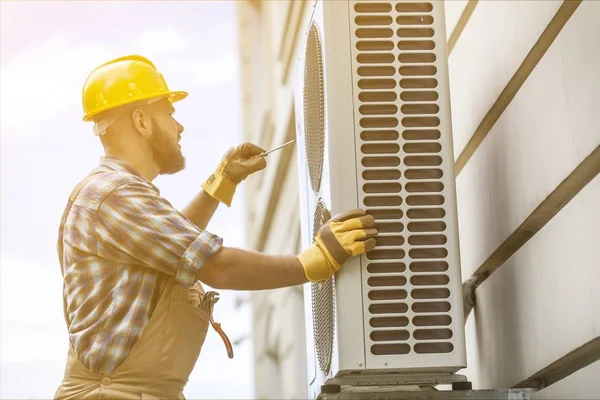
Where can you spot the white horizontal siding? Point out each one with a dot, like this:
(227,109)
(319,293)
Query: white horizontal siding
(493,44)
(551,125)
(543,303)
(583,384)
(454,9)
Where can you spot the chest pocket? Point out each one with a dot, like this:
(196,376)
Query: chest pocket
(78,225)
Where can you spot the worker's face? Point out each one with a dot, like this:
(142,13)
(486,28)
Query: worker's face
(164,141)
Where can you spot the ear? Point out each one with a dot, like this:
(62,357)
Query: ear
(142,123)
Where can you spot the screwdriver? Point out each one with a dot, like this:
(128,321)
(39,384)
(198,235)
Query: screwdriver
(276,148)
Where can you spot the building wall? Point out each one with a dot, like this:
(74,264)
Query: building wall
(269,33)
(524,88)
(526,139)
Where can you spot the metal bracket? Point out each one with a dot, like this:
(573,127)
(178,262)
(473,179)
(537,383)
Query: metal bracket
(491,394)
(411,386)
(396,379)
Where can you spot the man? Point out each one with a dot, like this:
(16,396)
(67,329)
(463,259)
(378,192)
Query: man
(134,305)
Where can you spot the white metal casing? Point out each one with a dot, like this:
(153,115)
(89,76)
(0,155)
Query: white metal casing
(381,153)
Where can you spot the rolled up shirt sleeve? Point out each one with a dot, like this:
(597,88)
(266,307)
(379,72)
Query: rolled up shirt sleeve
(138,226)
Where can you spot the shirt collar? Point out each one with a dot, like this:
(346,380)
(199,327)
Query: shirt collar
(116,164)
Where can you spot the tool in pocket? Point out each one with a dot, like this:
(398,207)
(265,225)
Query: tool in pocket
(208,302)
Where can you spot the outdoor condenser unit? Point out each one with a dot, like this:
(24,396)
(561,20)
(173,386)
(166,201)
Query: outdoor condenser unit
(374,132)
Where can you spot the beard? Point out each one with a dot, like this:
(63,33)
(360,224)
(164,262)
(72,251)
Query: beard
(166,153)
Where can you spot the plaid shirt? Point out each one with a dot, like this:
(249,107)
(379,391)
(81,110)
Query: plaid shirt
(120,244)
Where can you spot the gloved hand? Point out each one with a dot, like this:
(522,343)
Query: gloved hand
(345,235)
(236,165)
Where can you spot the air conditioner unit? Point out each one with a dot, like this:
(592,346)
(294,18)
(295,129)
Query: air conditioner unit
(374,131)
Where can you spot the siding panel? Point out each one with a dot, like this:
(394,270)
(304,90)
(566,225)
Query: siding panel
(493,44)
(583,384)
(549,128)
(543,303)
(454,9)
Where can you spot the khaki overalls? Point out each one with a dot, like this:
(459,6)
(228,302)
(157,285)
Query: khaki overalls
(160,363)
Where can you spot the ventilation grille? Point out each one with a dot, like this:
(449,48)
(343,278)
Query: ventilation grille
(402,177)
(314,107)
(322,299)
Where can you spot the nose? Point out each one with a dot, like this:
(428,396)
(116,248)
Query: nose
(179,127)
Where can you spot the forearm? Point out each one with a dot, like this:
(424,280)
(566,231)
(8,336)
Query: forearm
(201,209)
(237,269)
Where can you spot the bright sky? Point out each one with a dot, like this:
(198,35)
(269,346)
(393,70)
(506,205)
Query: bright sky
(47,50)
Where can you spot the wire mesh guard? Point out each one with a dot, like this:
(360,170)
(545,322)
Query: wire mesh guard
(314,108)
(322,299)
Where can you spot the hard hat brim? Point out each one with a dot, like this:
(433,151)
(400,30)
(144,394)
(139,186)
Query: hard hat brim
(173,97)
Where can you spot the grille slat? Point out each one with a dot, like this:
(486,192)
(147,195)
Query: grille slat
(402,185)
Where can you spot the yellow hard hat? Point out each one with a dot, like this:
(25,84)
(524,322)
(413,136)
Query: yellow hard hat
(123,81)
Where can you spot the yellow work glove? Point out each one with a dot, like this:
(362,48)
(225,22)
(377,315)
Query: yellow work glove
(345,235)
(236,165)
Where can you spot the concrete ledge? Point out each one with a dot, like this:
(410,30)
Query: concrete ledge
(499,394)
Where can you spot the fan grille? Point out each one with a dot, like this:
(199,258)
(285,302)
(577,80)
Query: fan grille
(314,108)
(323,299)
